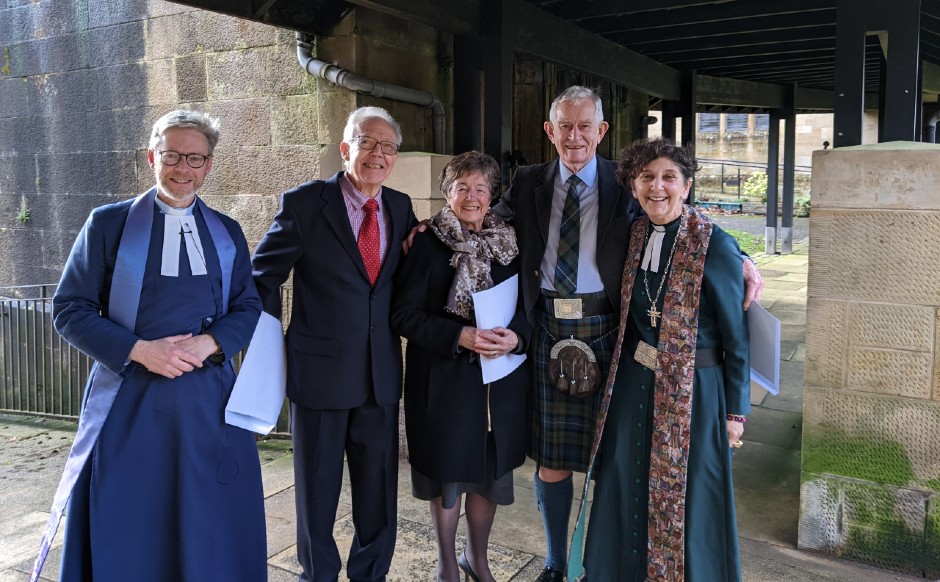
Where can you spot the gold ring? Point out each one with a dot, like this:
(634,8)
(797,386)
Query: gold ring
(737,444)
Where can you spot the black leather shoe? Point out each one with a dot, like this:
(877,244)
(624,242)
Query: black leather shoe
(550,575)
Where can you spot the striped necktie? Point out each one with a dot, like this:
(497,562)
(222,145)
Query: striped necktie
(569,235)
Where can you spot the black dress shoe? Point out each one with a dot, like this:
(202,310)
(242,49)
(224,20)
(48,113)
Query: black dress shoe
(550,575)
(464,565)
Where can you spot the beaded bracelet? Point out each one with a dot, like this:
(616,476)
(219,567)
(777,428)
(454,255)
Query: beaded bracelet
(736,418)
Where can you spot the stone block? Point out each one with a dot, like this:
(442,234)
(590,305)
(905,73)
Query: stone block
(58,18)
(119,44)
(21,59)
(872,437)
(254,213)
(892,326)
(77,173)
(932,544)
(870,257)
(17,24)
(895,175)
(239,74)
(63,53)
(121,129)
(895,372)
(27,134)
(417,174)
(333,109)
(245,122)
(142,84)
(276,168)
(13,99)
(17,174)
(51,212)
(877,524)
(54,94)
(294,120)
(826,342)
(191,78)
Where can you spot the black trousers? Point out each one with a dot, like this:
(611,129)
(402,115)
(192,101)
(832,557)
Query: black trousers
(367,436)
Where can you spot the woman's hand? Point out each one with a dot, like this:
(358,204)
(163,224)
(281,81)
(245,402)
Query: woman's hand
(489,343)
(735,431)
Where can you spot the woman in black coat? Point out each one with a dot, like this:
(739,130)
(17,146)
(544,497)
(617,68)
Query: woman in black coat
(464,436)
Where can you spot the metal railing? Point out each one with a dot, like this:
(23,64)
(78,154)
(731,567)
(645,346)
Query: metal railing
(41,373)
(727,177)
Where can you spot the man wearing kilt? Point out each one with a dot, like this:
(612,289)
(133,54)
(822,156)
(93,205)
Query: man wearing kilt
(572,221)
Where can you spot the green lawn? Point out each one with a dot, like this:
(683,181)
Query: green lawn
(751,244)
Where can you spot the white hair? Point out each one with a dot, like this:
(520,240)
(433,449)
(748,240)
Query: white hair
(575,95)
(363,114)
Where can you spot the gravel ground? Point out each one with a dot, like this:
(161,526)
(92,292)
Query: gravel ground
(755,224)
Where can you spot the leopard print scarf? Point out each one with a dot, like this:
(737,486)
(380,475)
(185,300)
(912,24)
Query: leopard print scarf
(473,252)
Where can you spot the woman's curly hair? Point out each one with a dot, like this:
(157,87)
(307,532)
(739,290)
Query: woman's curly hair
(645,150)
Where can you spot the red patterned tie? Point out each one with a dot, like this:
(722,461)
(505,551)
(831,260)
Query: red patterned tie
(369,240)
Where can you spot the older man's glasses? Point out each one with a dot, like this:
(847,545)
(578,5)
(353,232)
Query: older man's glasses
(171,158)
(368,143)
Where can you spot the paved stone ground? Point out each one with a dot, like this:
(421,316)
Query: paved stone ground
(766,482)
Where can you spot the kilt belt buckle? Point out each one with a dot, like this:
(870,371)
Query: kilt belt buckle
(567,308)
(646,355)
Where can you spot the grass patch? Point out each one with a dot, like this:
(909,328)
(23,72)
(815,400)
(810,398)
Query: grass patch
(751,244)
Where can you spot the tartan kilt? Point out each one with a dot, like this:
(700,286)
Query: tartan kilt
(561,428)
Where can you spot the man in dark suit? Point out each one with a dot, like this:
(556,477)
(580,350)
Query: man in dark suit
(572,220)
(342,239)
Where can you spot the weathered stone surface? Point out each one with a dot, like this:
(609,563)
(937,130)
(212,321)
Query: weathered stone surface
(255,73)
(136,85)
(75,173)
(826,343)
(191,78)
(294,120)
(114,12)
(417,175)
(55,93)
(118,44)
(890,372)
(892,326)
(13,98)
(891,175)
(276,168)
(121,129)
(333,109)
(245,122)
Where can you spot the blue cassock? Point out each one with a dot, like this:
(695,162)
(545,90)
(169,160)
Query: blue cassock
(170,492)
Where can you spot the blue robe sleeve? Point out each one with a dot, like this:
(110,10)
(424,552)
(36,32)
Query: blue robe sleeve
(80,301)
(724,284)
(233,331)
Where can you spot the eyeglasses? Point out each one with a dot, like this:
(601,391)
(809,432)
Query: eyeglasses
(171,158)
(368,143)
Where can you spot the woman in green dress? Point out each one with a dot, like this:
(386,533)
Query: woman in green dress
(676,395)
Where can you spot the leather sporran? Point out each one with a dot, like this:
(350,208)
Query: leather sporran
(574,369)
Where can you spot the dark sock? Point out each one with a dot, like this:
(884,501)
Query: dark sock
(554,502)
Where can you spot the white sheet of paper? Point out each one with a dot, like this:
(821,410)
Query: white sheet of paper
(764,329)
(258,395)
(496,307)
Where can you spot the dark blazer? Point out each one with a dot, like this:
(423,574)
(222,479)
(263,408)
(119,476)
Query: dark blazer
(446,401)
(339,343)
(528,205)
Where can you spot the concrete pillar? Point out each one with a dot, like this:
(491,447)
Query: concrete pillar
(870,482)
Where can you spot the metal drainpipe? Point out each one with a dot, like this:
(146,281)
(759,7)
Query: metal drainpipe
(931,126)
(349,80)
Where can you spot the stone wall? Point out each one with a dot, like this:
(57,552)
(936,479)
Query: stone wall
(871,436)
(82,82)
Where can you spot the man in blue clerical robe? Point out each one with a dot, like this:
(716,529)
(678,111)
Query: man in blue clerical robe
(158,291)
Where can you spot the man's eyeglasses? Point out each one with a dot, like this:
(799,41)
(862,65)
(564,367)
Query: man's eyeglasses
(368,143)
(171,158)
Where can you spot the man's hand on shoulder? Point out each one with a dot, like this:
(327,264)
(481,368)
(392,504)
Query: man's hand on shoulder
(410,239)
(165,357)
(753,283)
